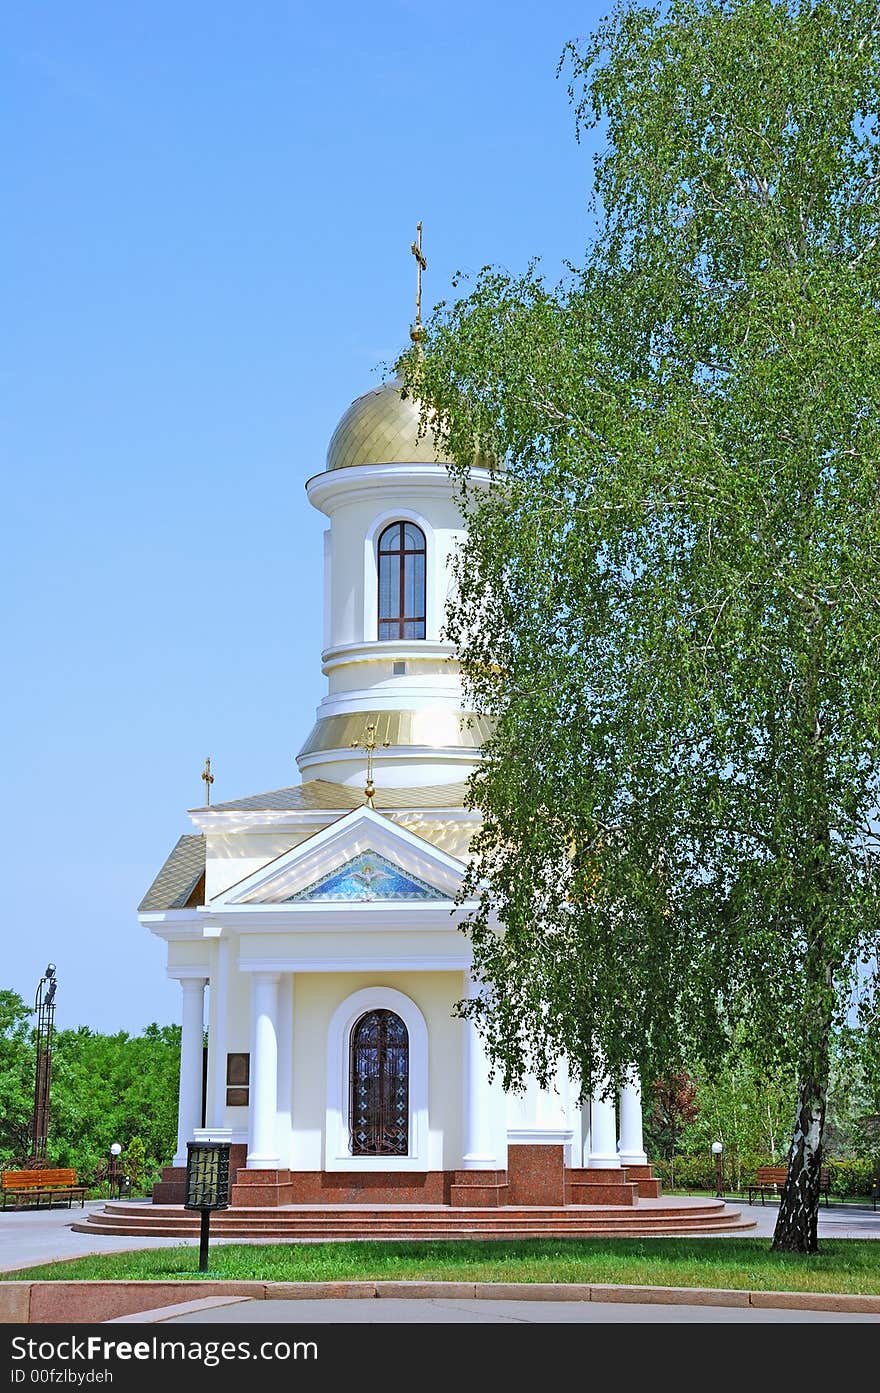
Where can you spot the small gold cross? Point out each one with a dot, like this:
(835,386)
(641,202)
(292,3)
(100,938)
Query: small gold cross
(416,333)
(209,779)
(369,743)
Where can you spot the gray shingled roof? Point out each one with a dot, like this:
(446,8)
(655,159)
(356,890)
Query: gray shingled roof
(322,795)
(178,878)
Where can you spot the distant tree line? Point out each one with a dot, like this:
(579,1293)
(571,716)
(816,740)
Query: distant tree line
(105,1089)
(748,1109)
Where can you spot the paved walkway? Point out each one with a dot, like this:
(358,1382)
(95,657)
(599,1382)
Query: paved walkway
(430,1311)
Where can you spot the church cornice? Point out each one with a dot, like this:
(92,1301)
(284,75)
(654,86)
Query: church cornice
(359,917)
(175,925)
(385,651)
(328,488)
(219,823)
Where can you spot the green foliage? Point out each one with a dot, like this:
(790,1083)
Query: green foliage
(667,601)
(853,1120)
(134,1160)
(672,1109)
(749,1109)
(853,1177)
(17,1071)
(109,1088)
(696,1171)
(850,1179)
(105,1088)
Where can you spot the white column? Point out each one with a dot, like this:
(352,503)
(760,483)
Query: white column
(217,1036)
(603,1134)
(478,1152)
(285,1069)
(263,1144)
(189,1105)
(632,1146)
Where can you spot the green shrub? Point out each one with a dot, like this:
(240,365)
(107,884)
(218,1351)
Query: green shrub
(852,1177)
(134,1163)
(697,1172)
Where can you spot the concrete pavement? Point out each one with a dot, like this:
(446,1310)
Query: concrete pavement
(434,1311)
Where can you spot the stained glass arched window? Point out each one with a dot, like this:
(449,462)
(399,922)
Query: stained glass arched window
(379,1102)
(402,552)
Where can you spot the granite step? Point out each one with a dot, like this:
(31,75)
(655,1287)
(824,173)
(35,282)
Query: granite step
(268,1234)
(378,1212)
(355,1222)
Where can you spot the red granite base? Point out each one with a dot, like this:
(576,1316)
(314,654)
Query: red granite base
(371,1187)
(478,1189)
(256,1188)
(171,1189)
(536,1174)
(650,1187)
(237,1158)
(612,1186)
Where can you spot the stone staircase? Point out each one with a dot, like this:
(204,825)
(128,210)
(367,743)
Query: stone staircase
(304,1223)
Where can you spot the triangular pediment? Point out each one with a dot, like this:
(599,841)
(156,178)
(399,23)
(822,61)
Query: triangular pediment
(367,876)
(360,857)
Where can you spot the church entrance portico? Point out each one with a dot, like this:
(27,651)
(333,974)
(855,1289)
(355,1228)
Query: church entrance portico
(437,1131)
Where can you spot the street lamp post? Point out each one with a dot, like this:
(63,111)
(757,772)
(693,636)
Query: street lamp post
(113,1171)
(44,1006)
(717,1148)
(207,1186)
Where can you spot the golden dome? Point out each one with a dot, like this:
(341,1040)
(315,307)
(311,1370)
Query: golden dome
(382,427)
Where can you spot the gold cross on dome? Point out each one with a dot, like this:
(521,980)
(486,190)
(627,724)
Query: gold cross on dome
(369,743)
(421,265)
(209,779)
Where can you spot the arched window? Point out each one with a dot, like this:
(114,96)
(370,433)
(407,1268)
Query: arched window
(402,581)
(379,1104)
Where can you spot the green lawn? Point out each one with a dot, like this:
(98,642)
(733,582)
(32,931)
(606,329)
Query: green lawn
(842,1265)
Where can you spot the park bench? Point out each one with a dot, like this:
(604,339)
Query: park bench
(769,1180)
(30,1188)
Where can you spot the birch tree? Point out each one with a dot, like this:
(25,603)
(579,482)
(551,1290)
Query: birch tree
(668,602)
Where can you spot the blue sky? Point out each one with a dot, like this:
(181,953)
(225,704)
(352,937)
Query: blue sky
(205,257)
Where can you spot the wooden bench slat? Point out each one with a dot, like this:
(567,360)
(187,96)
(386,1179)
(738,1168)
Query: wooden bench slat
(770,1178)
(16,1180)
(58,1184)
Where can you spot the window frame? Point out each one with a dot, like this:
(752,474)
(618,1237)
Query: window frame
(337,1148)
(383,1075)
(402,554)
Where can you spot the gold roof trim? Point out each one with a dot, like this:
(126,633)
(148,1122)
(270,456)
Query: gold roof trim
(431,728)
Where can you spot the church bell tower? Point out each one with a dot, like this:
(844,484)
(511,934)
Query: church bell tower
(394,525)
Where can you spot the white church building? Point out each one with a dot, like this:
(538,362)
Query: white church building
(313,929)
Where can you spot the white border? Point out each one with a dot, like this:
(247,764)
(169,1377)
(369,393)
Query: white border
(337,1153)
